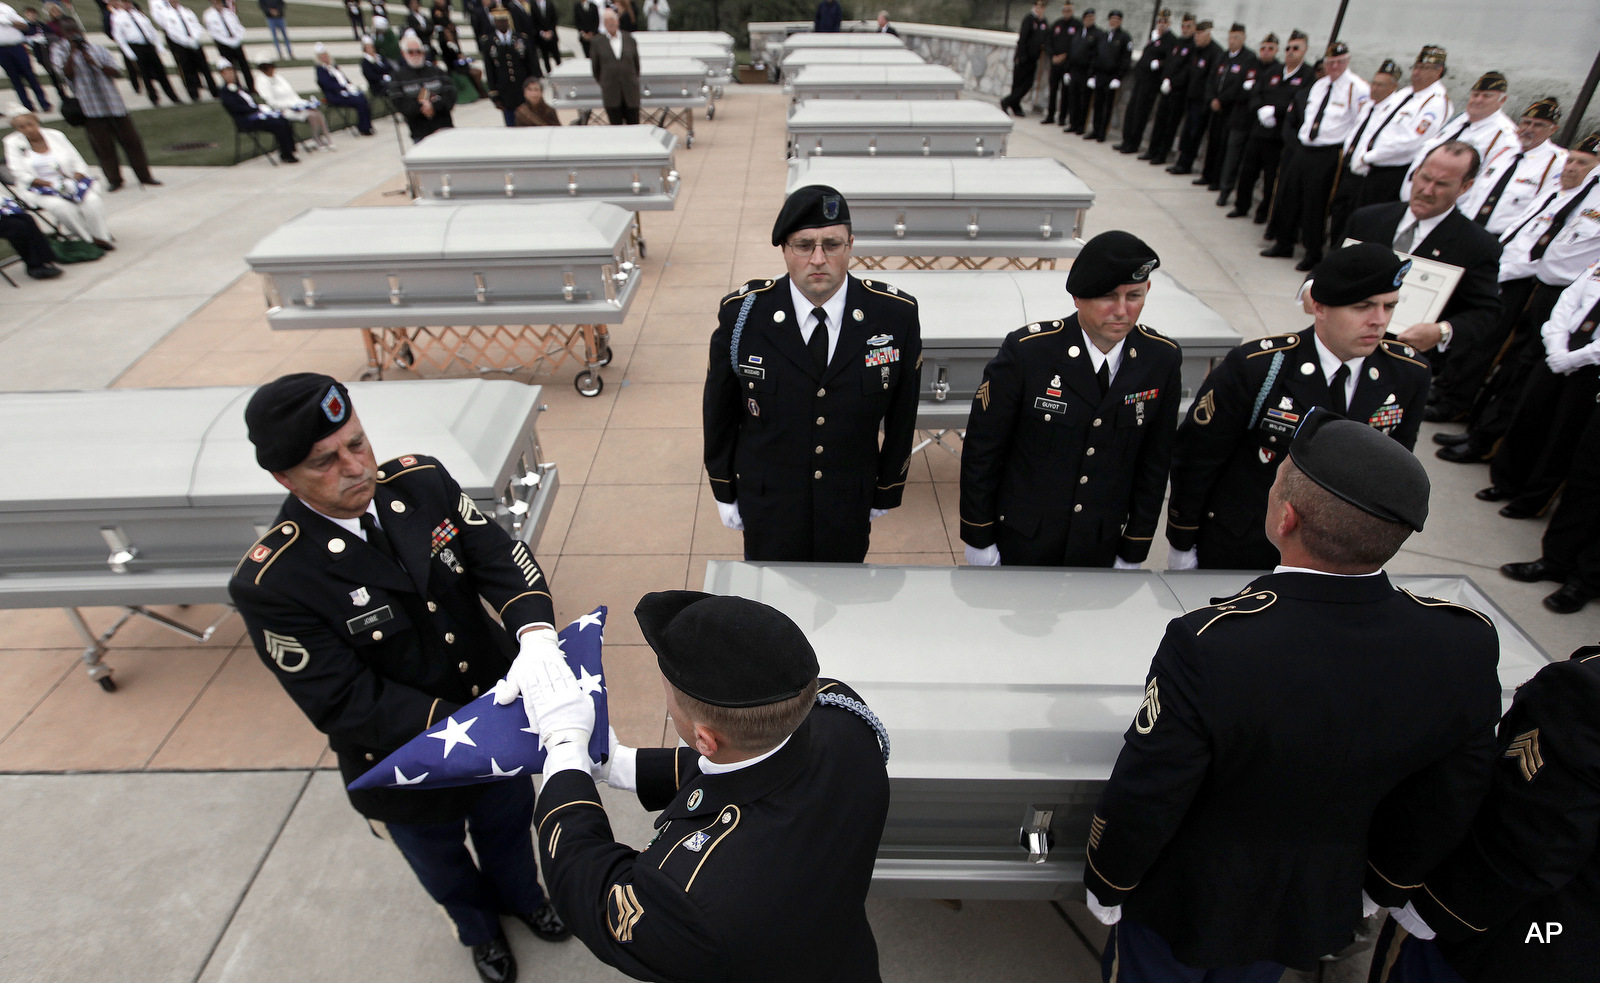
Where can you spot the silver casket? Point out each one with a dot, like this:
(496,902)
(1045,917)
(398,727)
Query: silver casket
(798,61)
(466,264)
(630,166)
(719,59)
(1010,207)
(1006,694)
(810,41)
(875,82)
(189,499)
(965,315)
(891,128)
(662,81)
(650,39)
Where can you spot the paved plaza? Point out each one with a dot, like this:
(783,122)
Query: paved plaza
(189,826)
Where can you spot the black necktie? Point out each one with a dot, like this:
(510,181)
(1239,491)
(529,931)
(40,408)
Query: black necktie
(1104,377)
(1316,124)
(1387,120)
(1336,400)
(1355,141)
(376,538)
(1499,189)
(819,340)
(1558,221)
(1457,134)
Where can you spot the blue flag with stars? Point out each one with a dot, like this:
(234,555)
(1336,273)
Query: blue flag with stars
(482,742)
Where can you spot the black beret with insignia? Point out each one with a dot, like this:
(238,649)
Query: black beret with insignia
(287,416)
(1113,13)
(726,651)
(814,206)
(1490,82)
(1362,465)
(1353,273)
(1108,261)
(1089,12)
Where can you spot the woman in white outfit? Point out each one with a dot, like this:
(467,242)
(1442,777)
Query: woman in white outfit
(275,91)
(48,171)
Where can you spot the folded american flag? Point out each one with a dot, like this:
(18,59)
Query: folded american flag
(72,190)
(483,742)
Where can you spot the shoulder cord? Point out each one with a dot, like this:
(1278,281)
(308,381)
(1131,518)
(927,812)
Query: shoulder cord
(738,329)
(859,709)
(1266,387)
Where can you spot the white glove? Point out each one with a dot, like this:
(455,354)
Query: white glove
(563,711)
(1585,356)
(1183,559)
(729,511)
(1106,916)
(1360,167)
(1268,116)
(1561,363)
(1369,907)
(1091,83)
(1122,564)
(1249,84)
(874,515)
(532,647)
(1166,87)
(1155,35)
(1066,79)
(1116,83)
(1155,65)
(1411,921)
(988,556)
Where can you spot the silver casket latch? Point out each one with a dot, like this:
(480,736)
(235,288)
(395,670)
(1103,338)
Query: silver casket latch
(1035,835)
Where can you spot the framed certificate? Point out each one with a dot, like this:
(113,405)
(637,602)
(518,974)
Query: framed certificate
(1424,292)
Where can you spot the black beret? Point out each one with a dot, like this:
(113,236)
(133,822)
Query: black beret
(287,416)
(1353,273)
(726,651)
(1204,25)
(1362,465)
(1088,12)
(1389,68)
(1336,49)
(814,206)
(1113,13)
(1108,261)
(1237,28)
(1490,82)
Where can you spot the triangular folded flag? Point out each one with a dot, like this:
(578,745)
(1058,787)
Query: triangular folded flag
(482,742)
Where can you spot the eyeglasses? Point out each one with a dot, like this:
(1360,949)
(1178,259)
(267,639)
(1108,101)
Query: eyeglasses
(805,247)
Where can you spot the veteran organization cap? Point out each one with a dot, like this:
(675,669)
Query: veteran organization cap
(814,206)
(1490,82)
(1353,273)
(1108,261)
(1363,466)
(726,651)
(287,416)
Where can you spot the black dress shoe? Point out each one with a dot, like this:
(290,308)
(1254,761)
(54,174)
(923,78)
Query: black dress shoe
(1048,120)
(1213,186)
(1177,171)
(1443,413)
(1239,213)
(1533,571)
(1278,252)
(494,961)
(546,924)
(1144,156)
(1521,510)
(1308,264)
(1494,493)
(1127,150)
(1450,439)
(46,271)
(1569,599)
(1463,453)
(1202,180)
(1260,219)
(1222,200)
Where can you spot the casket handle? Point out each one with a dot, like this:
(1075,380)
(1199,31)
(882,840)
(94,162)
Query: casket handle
(308,287)
(572,182)
(872,148)
(900,225)
(941,388)
(394,289)
(609,277)
(569,287)
(269,287)
(444,185)
(511,186)
(672,176)
(637,185)
(123,551)
(1035,834)
(482,291)
(927,146)
(1047,228)
(816,151)
(972,225)
(979,148)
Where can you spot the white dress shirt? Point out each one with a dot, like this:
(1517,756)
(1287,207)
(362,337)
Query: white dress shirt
(1536,175)
(129,27)
(1346,95)
(1280,568)
(1568,316)
(179,22)
(1392,141)
(1491,136)
(1098,358)
(1576,243)
(1425,227)
(11,24)
(224,27)
(833,307)
(616,44)
(1330,364)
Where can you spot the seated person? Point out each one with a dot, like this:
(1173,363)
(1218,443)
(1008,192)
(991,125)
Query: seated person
(275,91)
(421,92)
(338,90)
(248,114)
(376,69)
(452,60)
(18,228)
(50,175)
(534,111)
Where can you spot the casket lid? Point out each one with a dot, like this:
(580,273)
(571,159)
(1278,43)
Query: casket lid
(1043,180)
(852,56)
(650,67)
(897,114)
(493,147)
(877,76)
(860,39)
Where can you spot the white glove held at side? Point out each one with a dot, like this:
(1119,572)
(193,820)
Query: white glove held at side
(1122,564)
(875,514)
(1268,116)
(1411,921)
(1116,83)
(1106,916)
(988,556)
(1091,83)
(1155,64)
(1166,87)
(1249,84)
(1182,559)
(729,511)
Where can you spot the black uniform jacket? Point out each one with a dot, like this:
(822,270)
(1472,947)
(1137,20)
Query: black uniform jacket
(1227,78)
(1080,57)
(1175,66)
(1059,42)
(757,874)
(1533,856)
(1255,72)
(1112,55)
(510,65)
(1238,429)
(586,17)
(1056,473)
(1158,50)
(1031,37)
(1292,739)
(407,84)
(374,652)
(1474,306)
(1279,92)
(1197,79)
(774,428)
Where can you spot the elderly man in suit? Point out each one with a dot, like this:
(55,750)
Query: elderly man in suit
(614,57)
(1430,226)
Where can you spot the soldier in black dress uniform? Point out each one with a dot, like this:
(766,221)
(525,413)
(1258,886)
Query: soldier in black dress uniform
(1240,423)
(1318,734)
(365,601)
(512,57)
(771,811)
(1112,55)
(1520,899)
(1146,82)
(793,404)
(1070,437)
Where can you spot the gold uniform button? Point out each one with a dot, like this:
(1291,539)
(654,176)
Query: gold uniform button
(1089,452)
(397,506)
(1047,418)
(819,421)
(369,753)
(817,475)
(450,636)
(460,568)
(432,607)
(377,636)
(1077,508)
(751,385)
(474,691)
(1083,480)
(822,392)
(819,448)
(381,475)
(1097,421)
(462,666)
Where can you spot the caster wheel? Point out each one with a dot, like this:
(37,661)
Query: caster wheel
(643,252)
(604,359)
(711,113)
(588,384)
(404,357)
(107,683)
(689,143)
